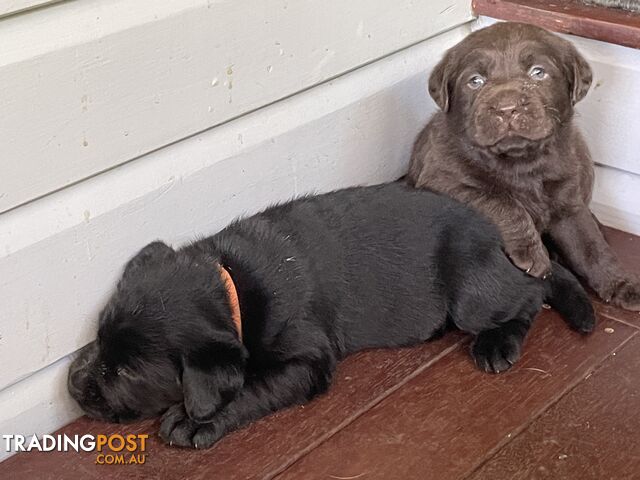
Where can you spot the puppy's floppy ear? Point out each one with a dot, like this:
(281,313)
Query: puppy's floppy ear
(439,83)
(580,76)
(211,377)
(154,252)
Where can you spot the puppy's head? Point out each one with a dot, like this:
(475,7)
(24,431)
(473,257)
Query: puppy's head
(510,87)
(165,336)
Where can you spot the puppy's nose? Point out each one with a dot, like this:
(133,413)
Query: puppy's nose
(74,382)
(77,376)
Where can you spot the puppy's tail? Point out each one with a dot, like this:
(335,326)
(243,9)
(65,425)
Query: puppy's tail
(565,294)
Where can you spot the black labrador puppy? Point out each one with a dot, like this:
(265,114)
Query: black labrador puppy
(253,319)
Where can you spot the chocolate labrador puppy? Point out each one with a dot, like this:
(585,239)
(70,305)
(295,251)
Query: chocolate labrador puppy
(253,319)
(505,144)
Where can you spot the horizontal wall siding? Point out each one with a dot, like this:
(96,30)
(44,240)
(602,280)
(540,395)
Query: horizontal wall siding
(60,256)
(609,116)
(9,7)
(90,84)
(40,404)
(616,199)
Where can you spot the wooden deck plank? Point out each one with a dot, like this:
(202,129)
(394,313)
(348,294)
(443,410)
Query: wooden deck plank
(593,433)
(259,451)
(444,422)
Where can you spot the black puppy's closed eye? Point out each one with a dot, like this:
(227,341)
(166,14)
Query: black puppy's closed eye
(127,373)
(211,377)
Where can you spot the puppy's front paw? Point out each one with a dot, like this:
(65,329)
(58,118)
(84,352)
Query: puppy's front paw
(495,350)
(533,259)
(627,295)
(581,318)
(179,430)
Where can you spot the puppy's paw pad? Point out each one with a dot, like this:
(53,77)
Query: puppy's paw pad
(494,351)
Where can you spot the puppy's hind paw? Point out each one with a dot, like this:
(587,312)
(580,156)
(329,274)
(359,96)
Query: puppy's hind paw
(177,429)
(627,295)
(495,351)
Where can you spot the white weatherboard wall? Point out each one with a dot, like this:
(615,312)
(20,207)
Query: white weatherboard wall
(90,84)
(10,7)
(609,117)
(61,255)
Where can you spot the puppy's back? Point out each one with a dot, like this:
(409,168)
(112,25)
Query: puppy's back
(375,261)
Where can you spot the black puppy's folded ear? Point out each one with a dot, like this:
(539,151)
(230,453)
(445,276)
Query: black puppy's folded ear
(155,252)
(211,378)
(581,76)
(439,83)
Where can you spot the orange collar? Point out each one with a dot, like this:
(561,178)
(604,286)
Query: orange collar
(232,295)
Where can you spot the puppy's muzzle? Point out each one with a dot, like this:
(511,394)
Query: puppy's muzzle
(508,111)
(509,105)
(78,372)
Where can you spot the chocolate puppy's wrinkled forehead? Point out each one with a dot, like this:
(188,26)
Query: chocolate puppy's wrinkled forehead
(506,51)
(509,44)
(505,36)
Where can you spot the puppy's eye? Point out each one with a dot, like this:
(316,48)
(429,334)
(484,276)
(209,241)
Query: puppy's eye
(476,82)
(537,72)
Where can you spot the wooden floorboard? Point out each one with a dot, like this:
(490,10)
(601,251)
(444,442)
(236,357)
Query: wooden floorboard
(447,420)
(259,451)
(590,434)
